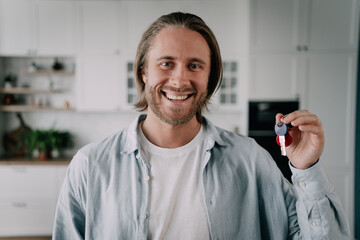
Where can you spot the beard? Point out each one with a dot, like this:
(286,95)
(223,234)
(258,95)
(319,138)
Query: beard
(178,115)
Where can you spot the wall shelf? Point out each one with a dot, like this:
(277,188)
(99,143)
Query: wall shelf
(47,72)
(26,108)
(26,161)
(17,90)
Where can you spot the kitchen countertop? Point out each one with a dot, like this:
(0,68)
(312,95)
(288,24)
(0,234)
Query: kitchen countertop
(26,161)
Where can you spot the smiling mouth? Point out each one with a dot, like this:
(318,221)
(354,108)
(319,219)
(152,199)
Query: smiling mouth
(177,97)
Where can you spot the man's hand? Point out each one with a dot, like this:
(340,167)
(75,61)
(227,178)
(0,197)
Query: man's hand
(308,138)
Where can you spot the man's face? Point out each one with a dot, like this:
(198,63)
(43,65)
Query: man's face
(177,74)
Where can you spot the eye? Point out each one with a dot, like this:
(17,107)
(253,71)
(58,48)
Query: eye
(166,64)
(194,66)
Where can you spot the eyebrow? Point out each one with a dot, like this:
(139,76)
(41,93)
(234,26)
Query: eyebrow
(194,59)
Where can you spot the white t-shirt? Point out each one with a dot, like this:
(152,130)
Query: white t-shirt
(177,207)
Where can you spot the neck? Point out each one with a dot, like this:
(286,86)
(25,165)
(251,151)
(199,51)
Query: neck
(165,135)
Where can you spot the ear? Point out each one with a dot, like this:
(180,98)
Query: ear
(144,76)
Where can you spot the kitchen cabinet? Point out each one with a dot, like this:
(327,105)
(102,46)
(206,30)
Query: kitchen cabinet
(229,20)
(130,95)
(99,82)
(16,27)
(100,68)
(295,26)
(100,28)
(231,96)
(307,50)
(139,19)
(37,28)
(285,34)
(231,30)
(276,77)
(29,197)
(331,94)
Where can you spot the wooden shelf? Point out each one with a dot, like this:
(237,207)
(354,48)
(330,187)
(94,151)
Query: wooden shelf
(47,72)
(26,108)
(26,161)
(17,90)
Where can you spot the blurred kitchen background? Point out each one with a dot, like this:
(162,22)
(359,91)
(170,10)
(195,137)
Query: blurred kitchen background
(66,79)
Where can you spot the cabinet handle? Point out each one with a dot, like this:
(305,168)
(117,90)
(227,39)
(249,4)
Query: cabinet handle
(19,169)
(305,48)
(20,204)
(299,48)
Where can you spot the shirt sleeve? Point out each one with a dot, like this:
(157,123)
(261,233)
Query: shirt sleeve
(319,211)
(69,220)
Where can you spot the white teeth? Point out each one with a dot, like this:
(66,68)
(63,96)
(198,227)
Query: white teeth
(178,98)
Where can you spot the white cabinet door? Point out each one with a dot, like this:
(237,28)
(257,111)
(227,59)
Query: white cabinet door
(274,25)
(31,27)
(229,22)
(28,199)
(99,63)
(294,25)
(55,27)
(275,30)
(332,96)
(16,27)
(140,14)
(333,24)
(14,181)
(100,28)
(275,77)
(284,33)
(99,82)
(27,217)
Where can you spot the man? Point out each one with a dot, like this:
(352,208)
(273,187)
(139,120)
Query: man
(174,175)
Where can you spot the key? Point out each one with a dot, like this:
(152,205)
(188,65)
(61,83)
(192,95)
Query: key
(281,131)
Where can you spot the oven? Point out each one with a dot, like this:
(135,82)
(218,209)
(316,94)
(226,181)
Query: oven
(261,128)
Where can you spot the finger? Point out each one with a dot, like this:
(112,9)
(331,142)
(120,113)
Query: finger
(299,117)
(306,120)
(311,129)
(288,118)
(278,117)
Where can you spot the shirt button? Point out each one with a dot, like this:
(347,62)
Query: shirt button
(147,178)
(144,216)
(314,223)
(302,184)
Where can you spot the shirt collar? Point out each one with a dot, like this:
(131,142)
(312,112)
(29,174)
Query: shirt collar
(213,134)
(132,143)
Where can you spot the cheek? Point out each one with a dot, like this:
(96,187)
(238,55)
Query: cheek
(156,76)
(203,83)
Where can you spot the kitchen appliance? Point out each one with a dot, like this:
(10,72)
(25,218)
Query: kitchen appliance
(261,128)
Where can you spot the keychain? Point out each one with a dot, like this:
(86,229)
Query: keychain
(283,138)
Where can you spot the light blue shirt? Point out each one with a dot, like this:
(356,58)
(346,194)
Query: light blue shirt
(105,194)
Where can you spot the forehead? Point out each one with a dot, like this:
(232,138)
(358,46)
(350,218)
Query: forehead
(180,42)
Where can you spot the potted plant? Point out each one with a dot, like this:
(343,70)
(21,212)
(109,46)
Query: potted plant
(60,140)
(47,142)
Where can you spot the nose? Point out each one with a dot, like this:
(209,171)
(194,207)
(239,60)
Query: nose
(179,77)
